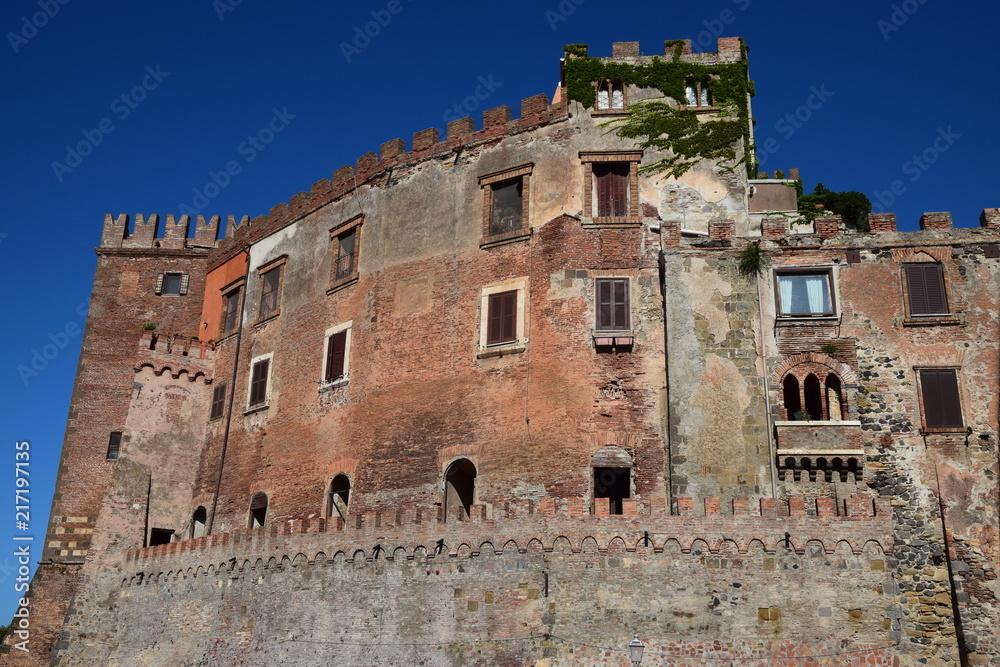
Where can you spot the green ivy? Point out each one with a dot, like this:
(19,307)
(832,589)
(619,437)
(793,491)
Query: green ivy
(668,125)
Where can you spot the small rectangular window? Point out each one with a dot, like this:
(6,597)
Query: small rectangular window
(611,182)
(172,283)
(218,402)
(804,293)
(231,312)
(502,318)
(942,405)
(507,206)
(269,284)
(613,307)
(114,445)
(258,382)
(346,254)
(925,289)
(336,348)
(158,536)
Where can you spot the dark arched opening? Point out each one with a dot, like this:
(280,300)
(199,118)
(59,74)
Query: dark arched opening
(258,510)
(459,487)
(834,398)
(198,521)
(338,497)
(814,398)
(793,404)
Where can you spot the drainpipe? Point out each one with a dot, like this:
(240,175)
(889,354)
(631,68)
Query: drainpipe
(232,392)
(666,375)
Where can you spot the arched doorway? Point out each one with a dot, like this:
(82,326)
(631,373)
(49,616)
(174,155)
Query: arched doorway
(459,487)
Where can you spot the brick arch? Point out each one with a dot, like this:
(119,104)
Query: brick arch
(843,371)
(627,440)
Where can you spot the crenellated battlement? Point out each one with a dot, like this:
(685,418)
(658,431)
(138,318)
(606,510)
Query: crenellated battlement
(727,51)
(145,231)
(426,144)
(176,354)
(563,524)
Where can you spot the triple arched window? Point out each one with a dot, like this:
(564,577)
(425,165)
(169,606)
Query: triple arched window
(817,395)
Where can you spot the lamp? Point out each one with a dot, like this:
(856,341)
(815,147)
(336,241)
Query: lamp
(635,648)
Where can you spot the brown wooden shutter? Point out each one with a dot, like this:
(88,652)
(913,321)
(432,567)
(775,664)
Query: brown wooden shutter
(613,304)
(335,349)
(941,401)
(925,289)
(218,401)
(619,190)
(603,177)
(501,320)
(159,284)
(258,382)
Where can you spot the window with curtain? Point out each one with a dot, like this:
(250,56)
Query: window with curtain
(805,293)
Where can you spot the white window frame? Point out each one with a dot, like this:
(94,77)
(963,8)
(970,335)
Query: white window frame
(833,291)
(267,391)
(341,381)
(520,286)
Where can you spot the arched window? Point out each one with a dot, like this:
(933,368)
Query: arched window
(793,404)
(814,398)
(834,398)
(612,468)
(198,521)
(603,95)
(258,510)
(610,95)
(459,487)
(338,497)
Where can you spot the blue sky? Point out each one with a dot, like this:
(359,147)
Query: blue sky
(868,96)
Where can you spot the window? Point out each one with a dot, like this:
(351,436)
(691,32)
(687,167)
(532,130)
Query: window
(459,488)
(612,470)
(338,497)
(925,289)
(696,93)
(218,402)
(198,521)
(613,307)
(804,293)
(336,354)
(258,510)
(345,255)
(345,252)
(611,185)
(942,405)
(258,382)
(114,445)
(502,318)
(270,283)
(505,210)
(610,95)
(818,396)
(231,311)
(158,536)
(172,283)
(611,188)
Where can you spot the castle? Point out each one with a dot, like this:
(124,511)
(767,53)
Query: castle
(517,394)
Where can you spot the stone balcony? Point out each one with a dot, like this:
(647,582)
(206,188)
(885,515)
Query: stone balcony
(826,448)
